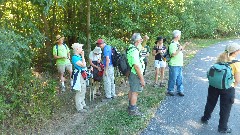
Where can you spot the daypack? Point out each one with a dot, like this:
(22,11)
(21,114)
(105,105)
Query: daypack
(220,75)
(57,48)
(123,65)
(167,55)
(115,56)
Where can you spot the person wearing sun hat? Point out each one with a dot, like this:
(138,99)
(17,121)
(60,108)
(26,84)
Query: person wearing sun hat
(136,79)
(159,63)
(79,74)
(95,62)
(227,96)
(61,53)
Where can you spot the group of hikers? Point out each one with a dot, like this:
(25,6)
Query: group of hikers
(101,62)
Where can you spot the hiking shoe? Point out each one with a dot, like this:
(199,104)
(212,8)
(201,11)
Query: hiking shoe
(155,85)
(181,94)
(162,85)
(135,112)
(169,93)
(106,99)
(82,111)
(228,130)
(63,88)
(204,121)
(86,107)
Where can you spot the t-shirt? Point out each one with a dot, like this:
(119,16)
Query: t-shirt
(157,48)
(133,58)
(177,60)
(143,53)
(235,68)
(94,57)
(107,51)
(75,59)
(62,51)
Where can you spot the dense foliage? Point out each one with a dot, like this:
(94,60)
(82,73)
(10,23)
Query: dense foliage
(28,30)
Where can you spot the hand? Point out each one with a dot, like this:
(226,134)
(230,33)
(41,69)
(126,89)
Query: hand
(99,69)
(82,53)
(142,83)
(105,73)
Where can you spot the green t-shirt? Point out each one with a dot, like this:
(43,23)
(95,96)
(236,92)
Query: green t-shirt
(178,59)
(63,51)
(133,58)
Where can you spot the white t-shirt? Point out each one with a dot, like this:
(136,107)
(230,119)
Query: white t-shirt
(94,57)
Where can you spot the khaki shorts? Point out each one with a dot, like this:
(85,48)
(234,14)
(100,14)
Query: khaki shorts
(61,68)
(134,82)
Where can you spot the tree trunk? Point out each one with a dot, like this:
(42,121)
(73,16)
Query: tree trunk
(88,27)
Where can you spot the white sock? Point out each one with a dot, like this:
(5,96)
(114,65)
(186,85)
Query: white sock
(63,84)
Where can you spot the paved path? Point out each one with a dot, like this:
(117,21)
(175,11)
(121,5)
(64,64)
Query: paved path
(181,115)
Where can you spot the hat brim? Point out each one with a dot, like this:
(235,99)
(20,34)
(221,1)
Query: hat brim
(164,40)
(59,39)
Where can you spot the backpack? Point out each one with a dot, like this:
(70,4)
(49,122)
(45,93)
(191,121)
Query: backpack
(115,56)
(123,65)
(220,75)
(57,48)
(167,55)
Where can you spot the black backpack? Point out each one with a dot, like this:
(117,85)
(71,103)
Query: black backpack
(115,56)
(167,55)
(123,65)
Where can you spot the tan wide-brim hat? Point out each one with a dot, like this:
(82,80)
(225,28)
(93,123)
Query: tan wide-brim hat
(97,50)
(58,37)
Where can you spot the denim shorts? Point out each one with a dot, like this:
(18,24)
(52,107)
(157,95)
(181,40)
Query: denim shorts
(134,82)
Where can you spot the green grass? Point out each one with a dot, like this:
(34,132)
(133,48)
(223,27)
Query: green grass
(112,117)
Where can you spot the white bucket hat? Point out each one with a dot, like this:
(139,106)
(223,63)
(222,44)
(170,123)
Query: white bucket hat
(97,50)
(76,45)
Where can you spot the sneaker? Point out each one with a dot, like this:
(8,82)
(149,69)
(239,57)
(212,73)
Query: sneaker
(204,121)
(98,94)
(162,85)
(228,130)
(106,99)
(63,88)
(169,93)
(82,111)
(113,97)
(181,94)
(86,107)
(135,112)
(155,85)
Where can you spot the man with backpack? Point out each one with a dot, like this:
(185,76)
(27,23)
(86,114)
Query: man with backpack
(108,77)
(175,65)
(223,88)
(136,80)
(61,53)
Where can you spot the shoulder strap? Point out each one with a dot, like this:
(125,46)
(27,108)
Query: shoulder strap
(57,48)
(233,61)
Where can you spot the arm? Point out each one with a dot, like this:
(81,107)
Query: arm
(83,62)
(58,57)
(237,79)
(180,48)
(107,62)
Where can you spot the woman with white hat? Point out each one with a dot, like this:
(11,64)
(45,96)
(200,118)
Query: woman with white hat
(79,76)
(95,61)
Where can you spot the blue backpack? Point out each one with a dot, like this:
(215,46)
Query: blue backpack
(220,75)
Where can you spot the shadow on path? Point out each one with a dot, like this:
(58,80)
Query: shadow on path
(181,115)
